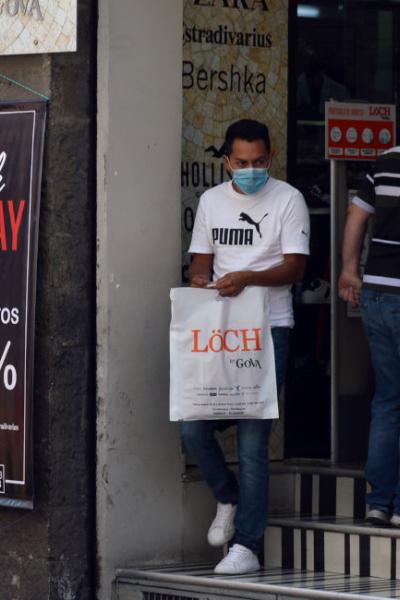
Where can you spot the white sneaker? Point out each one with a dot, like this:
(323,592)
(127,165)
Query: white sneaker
(222,528)
(395,520)
(318,292)
(238,561)
(377,517)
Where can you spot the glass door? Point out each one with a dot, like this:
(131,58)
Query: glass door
(343,50)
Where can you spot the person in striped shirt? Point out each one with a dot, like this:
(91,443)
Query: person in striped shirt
(378,294)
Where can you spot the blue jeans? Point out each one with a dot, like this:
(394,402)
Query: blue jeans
(251,492)
(381,318)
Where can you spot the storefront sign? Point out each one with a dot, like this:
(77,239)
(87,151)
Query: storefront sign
(359,131)
(37,26)
(21,148)
(234,66)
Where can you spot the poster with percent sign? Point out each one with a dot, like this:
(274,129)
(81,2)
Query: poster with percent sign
(235,57)
(21,149)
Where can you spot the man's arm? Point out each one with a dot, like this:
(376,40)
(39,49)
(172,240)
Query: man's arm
(200,270)
(354,233)
(291,270)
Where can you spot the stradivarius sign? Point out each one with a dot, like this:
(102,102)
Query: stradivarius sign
(37,26)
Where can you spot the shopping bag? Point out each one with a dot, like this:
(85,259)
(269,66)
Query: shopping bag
(222,363)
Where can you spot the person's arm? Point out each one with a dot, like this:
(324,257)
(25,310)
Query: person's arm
(201,248)
(200,270)
(289,271)
(354,233)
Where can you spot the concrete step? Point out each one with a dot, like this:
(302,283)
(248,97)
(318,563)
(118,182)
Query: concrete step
(337,544)
(198,582)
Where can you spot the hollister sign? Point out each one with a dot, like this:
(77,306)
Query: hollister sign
(37,26)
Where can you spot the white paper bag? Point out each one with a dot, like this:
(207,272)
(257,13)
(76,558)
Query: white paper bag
(222,356)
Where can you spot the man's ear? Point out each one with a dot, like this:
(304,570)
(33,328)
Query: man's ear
(272,154)
(227,164)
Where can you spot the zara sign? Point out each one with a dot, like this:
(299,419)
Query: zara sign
(37,26)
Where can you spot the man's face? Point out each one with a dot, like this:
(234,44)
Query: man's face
(247,154)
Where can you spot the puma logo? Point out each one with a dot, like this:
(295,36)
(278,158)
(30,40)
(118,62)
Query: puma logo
(244,217)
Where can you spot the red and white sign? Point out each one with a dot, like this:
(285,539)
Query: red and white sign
(356,131)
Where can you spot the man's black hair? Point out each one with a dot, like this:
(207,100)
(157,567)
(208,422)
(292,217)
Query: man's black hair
(248,130)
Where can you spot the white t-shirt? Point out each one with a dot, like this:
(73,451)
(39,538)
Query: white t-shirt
(253,233)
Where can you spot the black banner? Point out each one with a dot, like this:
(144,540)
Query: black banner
(22,126)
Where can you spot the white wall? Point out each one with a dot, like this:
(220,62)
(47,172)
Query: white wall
(139,490)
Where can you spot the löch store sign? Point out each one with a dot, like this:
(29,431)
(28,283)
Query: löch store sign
(37,26)
(21,149)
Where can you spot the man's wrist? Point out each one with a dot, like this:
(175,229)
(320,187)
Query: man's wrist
(202,275)
(248,278)
(351,270)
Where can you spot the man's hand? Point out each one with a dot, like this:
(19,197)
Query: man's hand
(354,233)
(199,281)
(200,270)
(349,288)
(232,283)
(288,272)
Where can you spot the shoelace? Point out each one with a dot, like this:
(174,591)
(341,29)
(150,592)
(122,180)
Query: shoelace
(236,549)
(223,512)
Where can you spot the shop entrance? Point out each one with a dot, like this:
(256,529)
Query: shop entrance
(346,50)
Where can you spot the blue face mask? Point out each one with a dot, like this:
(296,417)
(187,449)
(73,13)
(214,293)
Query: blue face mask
(250,180)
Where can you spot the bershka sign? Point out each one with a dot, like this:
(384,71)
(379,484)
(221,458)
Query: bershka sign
(37,26)
(357,131)
(21,149)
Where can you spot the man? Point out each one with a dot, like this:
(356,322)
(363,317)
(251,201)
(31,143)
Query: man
(253,230)
(379,198)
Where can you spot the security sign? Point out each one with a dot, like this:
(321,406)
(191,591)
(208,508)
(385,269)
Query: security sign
(357,131)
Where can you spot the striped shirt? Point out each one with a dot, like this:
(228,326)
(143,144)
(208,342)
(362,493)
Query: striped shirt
(380,195)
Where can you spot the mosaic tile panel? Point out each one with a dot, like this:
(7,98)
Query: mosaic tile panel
(37,26)
(234,66)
